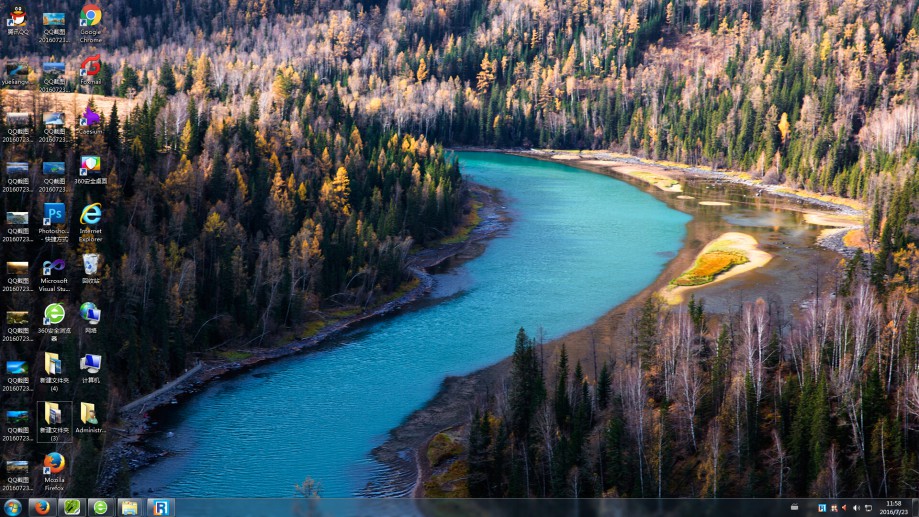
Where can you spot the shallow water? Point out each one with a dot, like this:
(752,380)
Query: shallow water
(580,244)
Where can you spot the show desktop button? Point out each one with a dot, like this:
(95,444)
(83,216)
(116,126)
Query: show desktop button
(71,507)
(100,508)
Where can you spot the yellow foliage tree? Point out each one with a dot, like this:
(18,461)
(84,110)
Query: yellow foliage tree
(422,72)
(486,76)
(784,127)
(335,192)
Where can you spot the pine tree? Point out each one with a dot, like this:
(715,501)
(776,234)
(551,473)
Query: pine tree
(561,403)
(527,390)
(604,384)
(167,79)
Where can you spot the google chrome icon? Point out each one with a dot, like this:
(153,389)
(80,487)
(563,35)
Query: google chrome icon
(90,15)
(42,507)
(54,462)
(12,508)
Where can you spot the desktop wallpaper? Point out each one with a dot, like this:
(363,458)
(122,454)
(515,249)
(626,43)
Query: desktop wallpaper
(460,248)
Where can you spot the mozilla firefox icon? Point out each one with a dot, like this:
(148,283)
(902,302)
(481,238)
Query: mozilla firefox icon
(54,463)
(42,507)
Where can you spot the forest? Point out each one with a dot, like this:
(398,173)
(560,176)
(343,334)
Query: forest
(270,162)
(750,404)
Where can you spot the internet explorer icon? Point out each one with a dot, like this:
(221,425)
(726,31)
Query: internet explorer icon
(91,214)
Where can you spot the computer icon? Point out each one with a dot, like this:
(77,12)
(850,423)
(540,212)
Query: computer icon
(91,363)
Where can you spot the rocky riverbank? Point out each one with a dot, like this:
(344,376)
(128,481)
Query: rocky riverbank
(127,450)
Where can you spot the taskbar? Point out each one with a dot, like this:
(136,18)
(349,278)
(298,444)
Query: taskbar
(265,507)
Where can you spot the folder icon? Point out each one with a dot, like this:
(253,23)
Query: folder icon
(129,508)
(88,413)
(52,364)
(53,413)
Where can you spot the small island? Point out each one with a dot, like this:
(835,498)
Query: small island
(729,255)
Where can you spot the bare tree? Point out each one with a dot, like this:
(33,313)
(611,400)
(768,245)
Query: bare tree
(689,382)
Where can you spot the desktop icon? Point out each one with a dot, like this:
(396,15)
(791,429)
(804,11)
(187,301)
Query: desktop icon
(17,318)
(18,119)
(72,506)
(89,117)
(17,368)
(53,18)
(91,363)
(53,67)
(17,467)
(53,413)
(54,314)
(50,266)
(55,213)
(91,263)
(17,17)
(53,118)
(53,168)
(90,164)
(40,506)
(14,168)
(91,214)
(17,218)
(17,268)
(91,65)
(88,413)
(54,463)
(90,15)
(17,417)
(90,313)
(16,69)
(12,508)
(52,363)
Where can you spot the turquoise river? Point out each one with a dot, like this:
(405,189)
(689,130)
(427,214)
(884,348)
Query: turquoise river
(579,244)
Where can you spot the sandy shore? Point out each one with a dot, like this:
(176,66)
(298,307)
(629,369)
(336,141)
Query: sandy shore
(452,407)
(746,244)
(653,172)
